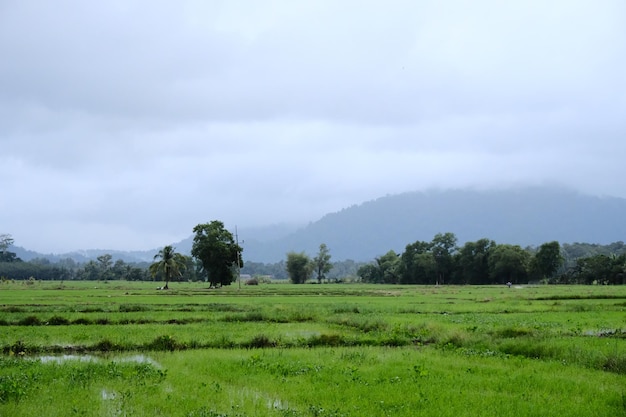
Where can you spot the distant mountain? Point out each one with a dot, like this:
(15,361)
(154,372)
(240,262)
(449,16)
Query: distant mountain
(527,216)
(524,216)
(86,255)
(258,235)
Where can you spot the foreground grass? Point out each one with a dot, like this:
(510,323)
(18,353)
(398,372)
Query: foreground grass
(310,350)
(312,382)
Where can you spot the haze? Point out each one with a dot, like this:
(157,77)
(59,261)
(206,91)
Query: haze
(123,124)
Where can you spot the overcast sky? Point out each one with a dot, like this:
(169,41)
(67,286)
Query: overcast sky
(123,124)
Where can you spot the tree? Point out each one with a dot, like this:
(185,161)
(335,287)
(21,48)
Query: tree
(601,269)
(473,262)
(169,264)
(443,247)
(105,262)
(412,264)
(368,273)
(547,260)
(386,270)
(6,241)
(508,263)
(299,267)
(215,248)
(322,262)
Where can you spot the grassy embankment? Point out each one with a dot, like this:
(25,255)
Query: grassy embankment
(310,350)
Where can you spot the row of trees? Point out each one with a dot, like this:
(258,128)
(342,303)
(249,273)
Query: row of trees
(216,258)
(300,267)
(486,262)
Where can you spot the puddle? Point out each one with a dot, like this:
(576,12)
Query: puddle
(108,395)
(604,333)
(60,359)
(66,358)
(138,359)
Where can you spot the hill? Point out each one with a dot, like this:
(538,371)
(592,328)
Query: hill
(524,216)
(528,216)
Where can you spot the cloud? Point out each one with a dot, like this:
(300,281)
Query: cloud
(124,124)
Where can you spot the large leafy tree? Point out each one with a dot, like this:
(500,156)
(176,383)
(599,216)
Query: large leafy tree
(105,263)
(443,248)
(322,262)
(547,260)
(385,270)
(414,266)
(473,262)
(508,263)
(169,264)
(217,251)
(299,267)
(601,269)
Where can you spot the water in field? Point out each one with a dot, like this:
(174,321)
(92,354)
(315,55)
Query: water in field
(60,359)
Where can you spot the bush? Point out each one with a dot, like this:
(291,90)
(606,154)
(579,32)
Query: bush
(326,340)
(105,345)
(58,321)
(30,321)
(165,343)
(260,341)
(131,308)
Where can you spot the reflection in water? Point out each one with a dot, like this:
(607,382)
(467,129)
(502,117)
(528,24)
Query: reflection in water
(60,359)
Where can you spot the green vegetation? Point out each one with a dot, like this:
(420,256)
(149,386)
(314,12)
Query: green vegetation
(124,348)
(299,267)
(218,253)
(217,258)
(168,264)
(486,262)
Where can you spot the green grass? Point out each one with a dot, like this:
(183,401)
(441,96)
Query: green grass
(311,350)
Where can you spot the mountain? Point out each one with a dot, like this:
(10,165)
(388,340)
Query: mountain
(86,255)
(525,216)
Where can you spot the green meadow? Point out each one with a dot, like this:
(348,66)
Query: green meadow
(127,349)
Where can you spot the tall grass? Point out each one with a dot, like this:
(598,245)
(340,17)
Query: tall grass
(282,350)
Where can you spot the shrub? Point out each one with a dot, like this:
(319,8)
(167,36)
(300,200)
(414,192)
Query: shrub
(105,345)
(131,308)
(260,341)
(615,363)
(13,387)
(326,340)
(165,343)
(13,309)
(30,321)
(511,332)
(58,321)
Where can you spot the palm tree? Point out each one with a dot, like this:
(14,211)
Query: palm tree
(170,264)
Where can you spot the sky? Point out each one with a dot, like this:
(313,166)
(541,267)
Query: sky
(123,124)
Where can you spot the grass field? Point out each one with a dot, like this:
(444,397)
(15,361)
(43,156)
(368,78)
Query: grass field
(123,348)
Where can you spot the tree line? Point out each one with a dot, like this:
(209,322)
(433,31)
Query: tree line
(442,261)
(217,258)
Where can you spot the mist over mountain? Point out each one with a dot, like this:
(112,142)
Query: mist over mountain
(524,216)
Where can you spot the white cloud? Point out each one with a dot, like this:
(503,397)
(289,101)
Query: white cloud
(124,124)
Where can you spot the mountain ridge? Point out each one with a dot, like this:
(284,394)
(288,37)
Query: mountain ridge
(526,216)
